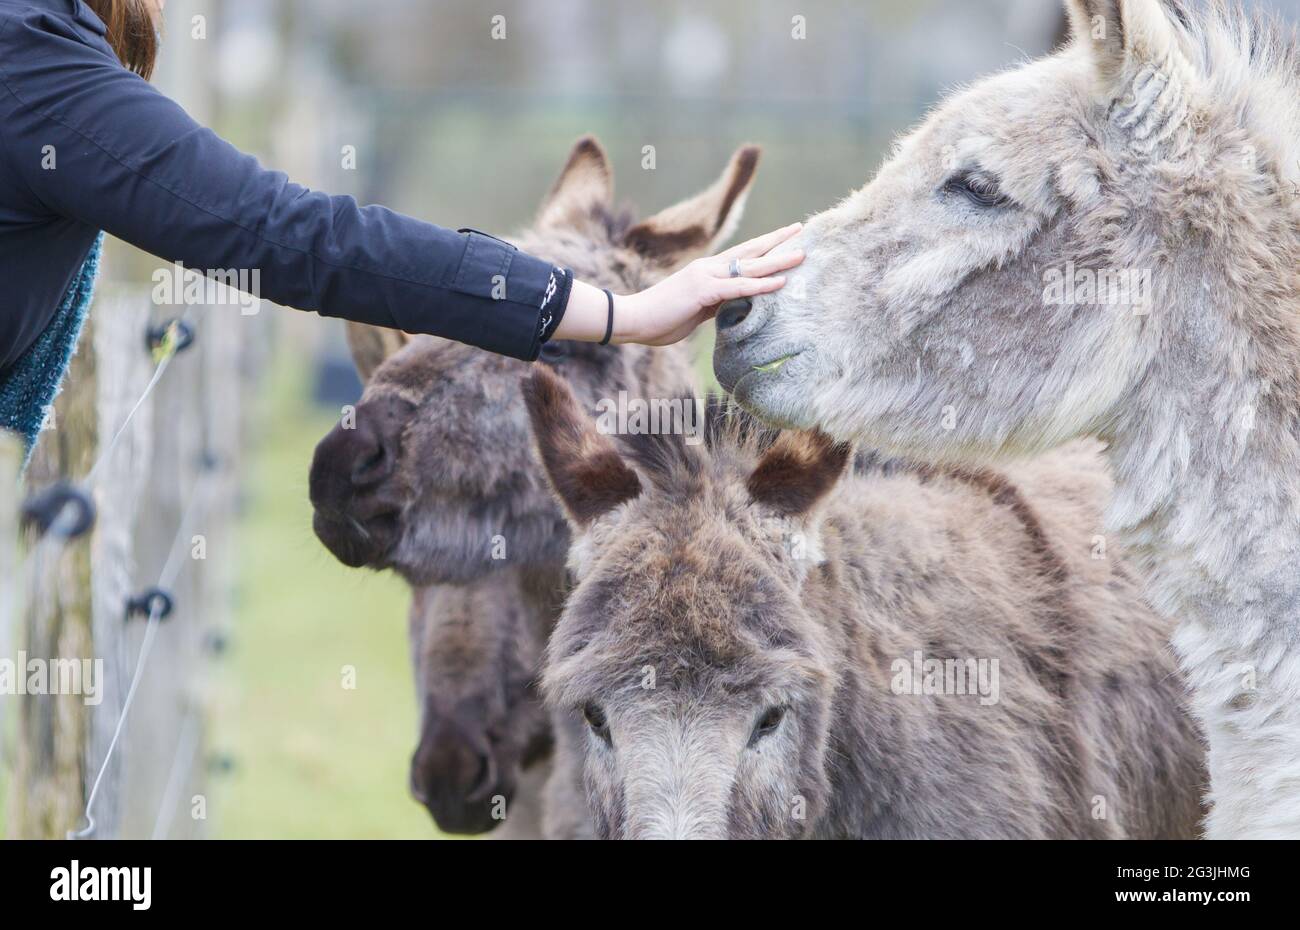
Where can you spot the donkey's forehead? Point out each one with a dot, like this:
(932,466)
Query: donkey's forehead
(594,253)
(999,107)
(711,596)
(722,653)
(428,362)
(680,593)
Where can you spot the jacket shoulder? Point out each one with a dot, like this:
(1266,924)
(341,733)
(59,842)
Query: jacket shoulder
(28,28)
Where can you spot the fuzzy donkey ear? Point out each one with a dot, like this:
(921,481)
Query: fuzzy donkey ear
(588,475)
(697,226)
(1127,37)
(371,345)
(584,187)
(798,470)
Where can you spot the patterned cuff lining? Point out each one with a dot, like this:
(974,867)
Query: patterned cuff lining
(555,302)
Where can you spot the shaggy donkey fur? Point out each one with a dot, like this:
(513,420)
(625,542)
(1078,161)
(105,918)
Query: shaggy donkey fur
(1103,242)
(438,481)
(740,642)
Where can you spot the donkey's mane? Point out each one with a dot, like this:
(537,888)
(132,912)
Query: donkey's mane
(734,441)
(1268,44)
(1237,47)
(731,435)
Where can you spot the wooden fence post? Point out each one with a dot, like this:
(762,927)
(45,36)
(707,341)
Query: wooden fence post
(124,368)
(11,599)
(165,704)
(48,792)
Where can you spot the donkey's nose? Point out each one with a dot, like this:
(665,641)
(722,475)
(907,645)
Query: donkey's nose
(372,456)
(455,779)
(359,454)
(734,312)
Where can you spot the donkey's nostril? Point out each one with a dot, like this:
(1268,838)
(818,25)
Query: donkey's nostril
(373,461)
(369,465)
(733,313)
(485,779)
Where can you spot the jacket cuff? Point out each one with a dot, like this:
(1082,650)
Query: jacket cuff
(520,297)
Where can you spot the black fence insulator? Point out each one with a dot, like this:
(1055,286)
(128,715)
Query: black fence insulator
(216,642)
(62,507)
(144,605)
(184,335)
(221,763)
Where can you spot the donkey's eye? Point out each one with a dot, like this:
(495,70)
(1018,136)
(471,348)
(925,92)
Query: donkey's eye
(595,717)
(553,352)
(979,189)
(767,724)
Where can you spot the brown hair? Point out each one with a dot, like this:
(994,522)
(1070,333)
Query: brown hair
(130,31)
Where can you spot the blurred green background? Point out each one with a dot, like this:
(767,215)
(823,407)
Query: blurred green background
(297,755)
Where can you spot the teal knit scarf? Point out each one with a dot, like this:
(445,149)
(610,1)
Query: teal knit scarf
(30,387)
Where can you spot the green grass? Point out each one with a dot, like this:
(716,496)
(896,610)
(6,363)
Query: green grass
(311,758)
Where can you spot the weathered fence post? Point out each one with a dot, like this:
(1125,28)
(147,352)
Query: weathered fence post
(124,368)
(11,597)
(48,792)
(167,703)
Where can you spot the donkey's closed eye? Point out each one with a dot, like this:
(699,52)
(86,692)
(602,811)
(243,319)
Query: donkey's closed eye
(767,724)
(553,352)
(979,189)
(595,717)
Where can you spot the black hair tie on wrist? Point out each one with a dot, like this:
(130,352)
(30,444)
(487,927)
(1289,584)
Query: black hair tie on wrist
(609,324)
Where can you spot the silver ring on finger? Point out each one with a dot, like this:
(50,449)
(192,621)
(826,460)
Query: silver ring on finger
(734,269)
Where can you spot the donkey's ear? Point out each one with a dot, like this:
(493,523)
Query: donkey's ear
(798,470)
(371,345)
(588,475)
(697,226)
(584,186)
(1125,37)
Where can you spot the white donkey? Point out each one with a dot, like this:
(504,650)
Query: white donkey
(1103,242)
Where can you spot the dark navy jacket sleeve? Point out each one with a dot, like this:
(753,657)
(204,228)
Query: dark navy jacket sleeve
(131,161)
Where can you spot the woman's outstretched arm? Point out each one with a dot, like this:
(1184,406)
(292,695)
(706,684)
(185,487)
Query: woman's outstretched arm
(130,161)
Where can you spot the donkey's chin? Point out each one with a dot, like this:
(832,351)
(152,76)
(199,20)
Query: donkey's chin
(776,391)
(451,566)
(354,544)
(462,547)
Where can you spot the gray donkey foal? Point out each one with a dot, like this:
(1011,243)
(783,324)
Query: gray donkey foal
(439,482)
(759,646)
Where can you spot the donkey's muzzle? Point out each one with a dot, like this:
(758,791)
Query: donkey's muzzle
(352,474)
(740,339)
(458,780)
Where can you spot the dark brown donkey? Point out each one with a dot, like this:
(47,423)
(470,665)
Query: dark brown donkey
(439,482)
(759,645)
